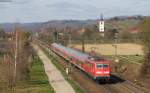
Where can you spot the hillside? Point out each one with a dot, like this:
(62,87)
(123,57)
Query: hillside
(61,24)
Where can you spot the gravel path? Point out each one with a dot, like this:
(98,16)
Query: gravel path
(56,79)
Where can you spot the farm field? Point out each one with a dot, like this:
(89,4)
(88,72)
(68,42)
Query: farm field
(109,49)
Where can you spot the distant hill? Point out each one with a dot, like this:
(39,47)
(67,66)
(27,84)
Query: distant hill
(68,23)
(61,24)
(30,26)
(50,24)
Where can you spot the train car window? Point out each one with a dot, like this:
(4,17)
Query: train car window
(102,65)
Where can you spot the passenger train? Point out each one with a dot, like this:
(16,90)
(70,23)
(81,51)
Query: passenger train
(96,67)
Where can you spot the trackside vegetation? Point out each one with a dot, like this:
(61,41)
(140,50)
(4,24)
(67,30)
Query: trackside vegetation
(37,82)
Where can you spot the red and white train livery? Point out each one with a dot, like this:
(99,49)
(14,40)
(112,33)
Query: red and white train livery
(96,67)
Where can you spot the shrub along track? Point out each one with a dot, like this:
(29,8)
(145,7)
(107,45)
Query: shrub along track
(115,85)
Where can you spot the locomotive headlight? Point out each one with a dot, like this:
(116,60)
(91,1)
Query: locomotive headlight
(99,72)
(106,72)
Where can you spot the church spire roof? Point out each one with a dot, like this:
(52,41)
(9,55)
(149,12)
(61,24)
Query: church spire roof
(102,19)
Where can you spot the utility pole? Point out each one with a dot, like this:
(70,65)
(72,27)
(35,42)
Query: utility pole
(116,42)
(16,56)
(70,35)
(83,40)
(70,41)
(56,36)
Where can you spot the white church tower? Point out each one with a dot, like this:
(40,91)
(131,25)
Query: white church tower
(101,25)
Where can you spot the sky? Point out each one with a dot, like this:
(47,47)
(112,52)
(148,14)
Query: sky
(27,11)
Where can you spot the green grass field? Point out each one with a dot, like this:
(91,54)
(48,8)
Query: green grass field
(38,81)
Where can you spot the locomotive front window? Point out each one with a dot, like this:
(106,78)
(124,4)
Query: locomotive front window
(102,65)
(105,66)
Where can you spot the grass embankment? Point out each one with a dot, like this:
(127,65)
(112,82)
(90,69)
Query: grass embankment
(38,81)
(54,60)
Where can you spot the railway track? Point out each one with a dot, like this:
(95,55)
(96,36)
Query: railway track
(116,85)
(127,85)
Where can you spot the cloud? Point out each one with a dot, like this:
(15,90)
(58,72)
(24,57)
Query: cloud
(22,1)
(44,10)
(72,9)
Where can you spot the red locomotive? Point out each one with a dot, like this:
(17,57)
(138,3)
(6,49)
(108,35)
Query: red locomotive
(96,67)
